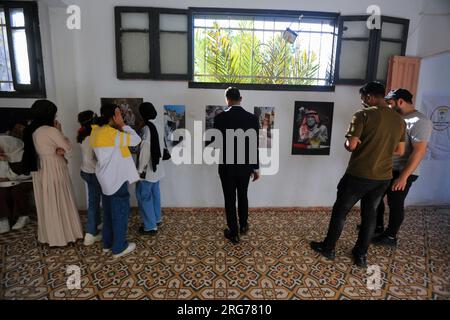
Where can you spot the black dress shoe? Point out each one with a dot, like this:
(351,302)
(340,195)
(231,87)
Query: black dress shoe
(360,261)
(244,229)
(320,248)
(234,238)
(146,233)
(384,240)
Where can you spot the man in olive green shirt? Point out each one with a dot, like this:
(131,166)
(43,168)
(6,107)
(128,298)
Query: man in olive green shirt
(376,132)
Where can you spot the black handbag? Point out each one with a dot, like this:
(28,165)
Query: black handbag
(166,153)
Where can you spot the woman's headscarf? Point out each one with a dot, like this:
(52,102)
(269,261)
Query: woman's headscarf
(148,112)
(43,113)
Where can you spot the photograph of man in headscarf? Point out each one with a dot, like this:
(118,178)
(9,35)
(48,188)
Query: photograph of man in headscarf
(312,128)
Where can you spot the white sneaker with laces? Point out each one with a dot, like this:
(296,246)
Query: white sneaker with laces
(129,249)
(90,239)
(4,226)
(21,222)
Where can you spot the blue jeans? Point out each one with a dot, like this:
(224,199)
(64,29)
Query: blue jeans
(94,197)
(149,201)
(116,209)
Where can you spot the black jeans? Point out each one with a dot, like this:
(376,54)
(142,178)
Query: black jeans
(351,189)
(231,184)
(396,203)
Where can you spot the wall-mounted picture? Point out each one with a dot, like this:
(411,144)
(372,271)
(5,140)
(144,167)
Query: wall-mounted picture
(313,122)
(266,119)
(130,110)
(437,109)
(210,113)
(174,118)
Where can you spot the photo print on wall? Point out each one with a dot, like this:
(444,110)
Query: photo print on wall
(130,110)
(313,123)
(174,118)
(266,119)
(210,112)
(130,113)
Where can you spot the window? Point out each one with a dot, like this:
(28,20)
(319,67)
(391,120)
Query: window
(363,54)
(247,47)
(151,43)
(21,67)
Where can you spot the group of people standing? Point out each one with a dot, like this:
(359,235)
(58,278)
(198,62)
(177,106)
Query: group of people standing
(387,138)
(107,168)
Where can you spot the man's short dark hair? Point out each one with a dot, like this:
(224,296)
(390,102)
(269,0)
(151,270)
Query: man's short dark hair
(232,93)
(373,88)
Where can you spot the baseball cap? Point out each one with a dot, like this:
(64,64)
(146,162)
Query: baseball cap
(399,94)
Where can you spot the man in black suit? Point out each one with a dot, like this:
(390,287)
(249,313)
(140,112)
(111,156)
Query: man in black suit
(240,131)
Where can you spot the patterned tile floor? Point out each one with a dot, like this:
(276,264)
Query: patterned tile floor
(190,259)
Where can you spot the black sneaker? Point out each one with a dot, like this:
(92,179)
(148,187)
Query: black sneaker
(360,261)
(385,240)
(232,237)
(143,232)
(319,247)
(244,229)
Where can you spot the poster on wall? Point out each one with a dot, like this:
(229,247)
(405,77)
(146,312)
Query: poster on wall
(174,118)
(312,128)
(437,109)
(210,112)
(130,114)
(266,119)
(130,110)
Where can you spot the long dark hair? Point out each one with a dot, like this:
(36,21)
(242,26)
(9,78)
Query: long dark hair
(86,119)
(107,111)
(43,113)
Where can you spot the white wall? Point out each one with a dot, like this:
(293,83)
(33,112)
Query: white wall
(434,18)
(82,65)
(433,185)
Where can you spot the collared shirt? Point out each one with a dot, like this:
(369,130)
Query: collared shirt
(115,166)
(380,130)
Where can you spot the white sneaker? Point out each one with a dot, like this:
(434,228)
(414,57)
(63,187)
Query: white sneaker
(21,222)
(106,250)
(130,248)
(4,226)
(90,239)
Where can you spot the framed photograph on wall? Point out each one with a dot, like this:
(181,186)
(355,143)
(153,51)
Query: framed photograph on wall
(210,113)
(130,110)
(174,118)
(266,119)
(313,122)
(437,109)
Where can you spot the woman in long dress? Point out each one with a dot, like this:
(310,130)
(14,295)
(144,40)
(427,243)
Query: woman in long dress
(58,218)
